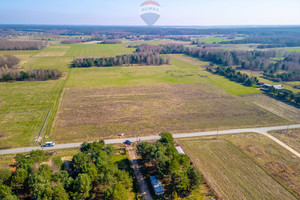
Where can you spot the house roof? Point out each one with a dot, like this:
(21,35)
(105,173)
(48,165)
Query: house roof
(278,87)
(180,150)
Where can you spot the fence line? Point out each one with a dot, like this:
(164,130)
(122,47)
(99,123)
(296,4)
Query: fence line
(37,140)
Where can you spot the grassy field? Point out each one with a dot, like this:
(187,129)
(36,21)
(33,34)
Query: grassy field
(295,50)
(179,72)
(230,172)
(78,50)
(41,96)
(91,113)
(19,100)
(211,40)
(291,137)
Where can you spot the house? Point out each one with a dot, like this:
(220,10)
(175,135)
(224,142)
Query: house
(268,87)
(157,186)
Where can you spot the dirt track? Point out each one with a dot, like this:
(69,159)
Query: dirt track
(138,173)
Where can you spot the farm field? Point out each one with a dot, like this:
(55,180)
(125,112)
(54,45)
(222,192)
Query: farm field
(19,101)
(244,166)
(290,137)
(90,113)
(182,74)
(279,108)
(211,40)
(78,50)
(179,72)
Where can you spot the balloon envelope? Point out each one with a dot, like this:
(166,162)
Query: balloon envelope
(150,12)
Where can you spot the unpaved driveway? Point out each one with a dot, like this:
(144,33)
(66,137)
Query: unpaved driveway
(138,173)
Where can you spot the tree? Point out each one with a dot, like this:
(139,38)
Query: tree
(180,182)
(79,160)
(167,139)
(59,193)
(60,177)
(117,192)
(196,179)
(42,192)
(90,169)
(81,187)
(5,175)
(4,191)
(19,178)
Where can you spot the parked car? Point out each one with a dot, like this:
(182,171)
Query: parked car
(127,142)
(121,134)
(49,144)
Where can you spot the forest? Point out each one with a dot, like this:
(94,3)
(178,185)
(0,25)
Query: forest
(172,168)
(235,76)
(92,175)
(8,61)
(106,41)
(21,45)
(134,59)
(249,60)
(31,74)
(272,41)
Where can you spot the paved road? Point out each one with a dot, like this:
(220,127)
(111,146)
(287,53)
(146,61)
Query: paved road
(138,173)
(183,135)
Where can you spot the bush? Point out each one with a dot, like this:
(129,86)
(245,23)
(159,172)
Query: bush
(5,174)
(57,162)
(39,156)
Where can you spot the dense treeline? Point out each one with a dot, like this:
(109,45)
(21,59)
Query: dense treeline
(74,41)
(7,74)
(92,175)
(249,60)
(134,59)
(284,95)
(172,168)
(268,41)
(8,61)
(294,76)
(22,45)
(161,31)
(111,42)
(81,40)
(235,76)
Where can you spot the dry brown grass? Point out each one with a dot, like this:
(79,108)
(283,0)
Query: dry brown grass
(277,107)
(93,113)
(50,54)
(278,162)
(291,137)
(230,172)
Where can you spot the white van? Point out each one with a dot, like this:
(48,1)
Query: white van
(49,144)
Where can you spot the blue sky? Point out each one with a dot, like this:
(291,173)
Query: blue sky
(174,12)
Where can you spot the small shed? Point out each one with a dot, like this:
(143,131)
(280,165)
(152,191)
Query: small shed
(278,87)
(157,186)
(180,150)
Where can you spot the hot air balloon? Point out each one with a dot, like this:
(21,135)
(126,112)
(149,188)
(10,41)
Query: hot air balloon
(150,12)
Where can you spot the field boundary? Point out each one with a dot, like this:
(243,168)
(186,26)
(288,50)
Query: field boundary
(55,107)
